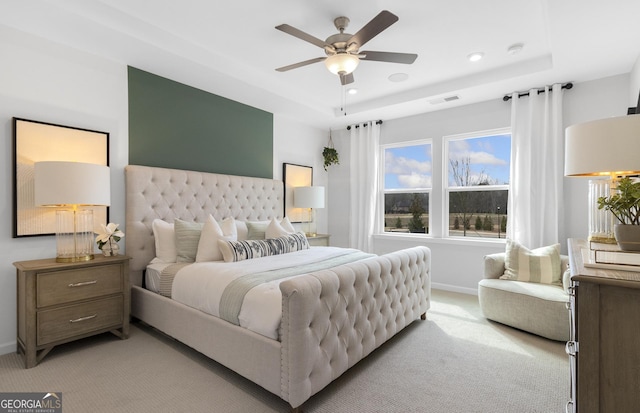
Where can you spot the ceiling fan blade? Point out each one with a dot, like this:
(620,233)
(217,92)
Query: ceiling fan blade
(346,79)
(304,36)
(300,64)
(406,58)
(379,23)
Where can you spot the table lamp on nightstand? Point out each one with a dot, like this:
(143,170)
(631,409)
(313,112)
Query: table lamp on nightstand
(309,197)
(72,185)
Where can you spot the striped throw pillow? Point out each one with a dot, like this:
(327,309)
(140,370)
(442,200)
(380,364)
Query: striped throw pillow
(541,265)
(253,248)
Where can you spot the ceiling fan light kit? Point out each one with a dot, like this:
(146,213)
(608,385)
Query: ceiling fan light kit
(343,49)
(341,63)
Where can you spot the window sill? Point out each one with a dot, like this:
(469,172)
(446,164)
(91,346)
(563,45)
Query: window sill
(428,239)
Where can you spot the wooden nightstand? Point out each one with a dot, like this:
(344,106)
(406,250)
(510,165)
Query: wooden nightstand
(319,240)
(62,302)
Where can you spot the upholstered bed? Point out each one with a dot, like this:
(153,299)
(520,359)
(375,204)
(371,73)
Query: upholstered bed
(330,318)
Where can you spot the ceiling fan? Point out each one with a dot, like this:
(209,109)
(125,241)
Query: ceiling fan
(343,49)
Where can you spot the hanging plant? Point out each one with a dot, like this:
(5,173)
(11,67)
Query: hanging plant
(330,154)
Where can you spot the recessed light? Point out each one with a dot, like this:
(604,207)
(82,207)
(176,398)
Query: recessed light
(515,48)
(398,77)
(352,91)
(475,56)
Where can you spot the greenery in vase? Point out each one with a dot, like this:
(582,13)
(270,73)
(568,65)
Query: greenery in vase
(330,156)
(625,203)
(109,234)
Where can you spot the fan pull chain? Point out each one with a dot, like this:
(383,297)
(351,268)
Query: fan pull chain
(343,102)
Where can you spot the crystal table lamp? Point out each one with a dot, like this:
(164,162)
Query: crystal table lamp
(72,185)
(606,149)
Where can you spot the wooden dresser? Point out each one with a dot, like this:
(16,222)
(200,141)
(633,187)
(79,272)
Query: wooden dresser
(62,302)
(605,349)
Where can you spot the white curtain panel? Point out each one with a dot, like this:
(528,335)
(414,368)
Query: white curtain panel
(537,153)
(364,185)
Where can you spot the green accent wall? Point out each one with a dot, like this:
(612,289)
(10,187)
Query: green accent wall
(173,125)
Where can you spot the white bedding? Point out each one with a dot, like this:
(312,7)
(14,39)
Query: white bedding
(200,285)
(152,276)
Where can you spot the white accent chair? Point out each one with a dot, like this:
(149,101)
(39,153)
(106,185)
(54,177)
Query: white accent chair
(540,309)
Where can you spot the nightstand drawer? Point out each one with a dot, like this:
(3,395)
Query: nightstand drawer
(75,320)
(59,287)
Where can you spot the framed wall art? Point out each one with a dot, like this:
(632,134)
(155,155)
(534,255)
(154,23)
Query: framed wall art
(295,175)
(35,141)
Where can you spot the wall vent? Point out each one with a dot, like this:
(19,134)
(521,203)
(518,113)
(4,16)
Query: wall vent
(444,99)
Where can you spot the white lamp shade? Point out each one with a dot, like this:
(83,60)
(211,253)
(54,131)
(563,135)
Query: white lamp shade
(71,183)
(608,147)
(308,197)
(341,63)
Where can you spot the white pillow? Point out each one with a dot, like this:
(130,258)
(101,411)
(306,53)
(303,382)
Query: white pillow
(208,247)
(277,229)
(165,240)
(241,229)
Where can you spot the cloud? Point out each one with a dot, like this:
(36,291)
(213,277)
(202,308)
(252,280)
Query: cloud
(461,149)
(400,165)
(415,180)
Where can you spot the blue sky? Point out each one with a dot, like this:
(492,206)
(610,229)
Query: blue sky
(411,166)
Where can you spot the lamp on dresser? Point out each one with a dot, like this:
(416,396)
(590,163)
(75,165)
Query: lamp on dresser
(309,197)
(606,150)
(73,186)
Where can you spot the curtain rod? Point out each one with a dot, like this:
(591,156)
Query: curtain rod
(364,125)
(567,86)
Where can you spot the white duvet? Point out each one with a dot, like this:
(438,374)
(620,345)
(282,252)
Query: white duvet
(200,285)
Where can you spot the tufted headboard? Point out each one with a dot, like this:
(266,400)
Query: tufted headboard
(168,194)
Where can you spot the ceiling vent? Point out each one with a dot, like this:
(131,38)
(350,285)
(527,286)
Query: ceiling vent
(444,99)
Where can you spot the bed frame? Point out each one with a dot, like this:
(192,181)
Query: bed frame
(331,319)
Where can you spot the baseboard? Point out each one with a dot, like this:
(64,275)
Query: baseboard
(7,348)
(454,288)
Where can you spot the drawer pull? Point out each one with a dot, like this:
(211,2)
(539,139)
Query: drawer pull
(89,317)
(83,283)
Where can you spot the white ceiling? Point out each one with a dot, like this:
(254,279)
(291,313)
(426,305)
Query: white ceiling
(231,48)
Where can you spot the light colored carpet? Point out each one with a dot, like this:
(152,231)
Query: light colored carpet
(456,361)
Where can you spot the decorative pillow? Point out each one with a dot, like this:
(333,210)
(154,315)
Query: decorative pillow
(277,229)
(208,248)
(165,239)
(248,249)
(257,229)
(541,265)
(187,239)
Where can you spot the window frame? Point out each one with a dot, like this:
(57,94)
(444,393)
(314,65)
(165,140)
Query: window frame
(447,189)
(383,191)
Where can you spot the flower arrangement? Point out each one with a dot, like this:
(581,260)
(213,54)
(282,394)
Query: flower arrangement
(109,236)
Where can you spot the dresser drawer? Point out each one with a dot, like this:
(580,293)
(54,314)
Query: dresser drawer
(74,320)
(59,287)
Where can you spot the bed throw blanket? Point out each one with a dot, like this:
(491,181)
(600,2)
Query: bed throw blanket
(233,295)
(254,301)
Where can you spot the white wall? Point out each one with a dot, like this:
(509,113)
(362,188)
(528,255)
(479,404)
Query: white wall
(634,90)
(457,266)
(300,144)
(43,81)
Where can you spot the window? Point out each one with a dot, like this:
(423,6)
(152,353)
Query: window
(407,184)
(471,188)
(477,184)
